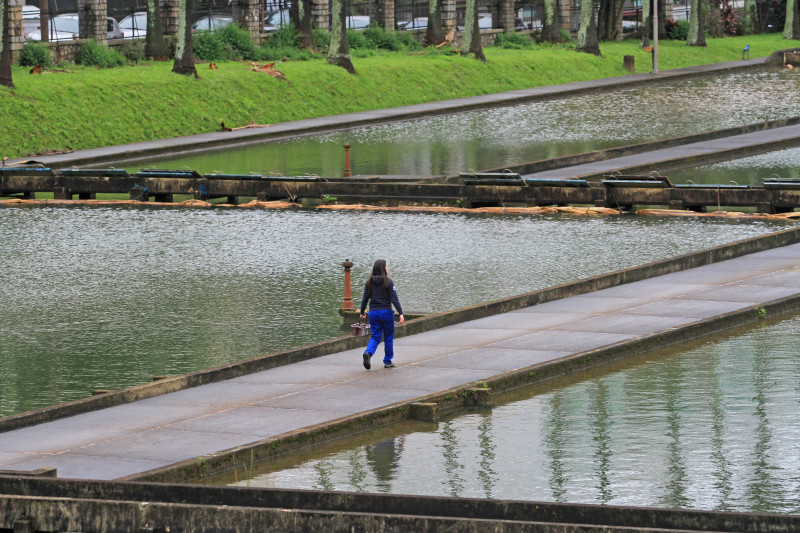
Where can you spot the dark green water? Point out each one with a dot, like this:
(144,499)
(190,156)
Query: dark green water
(492,138)
(96,298)
(750,170)
(709,426)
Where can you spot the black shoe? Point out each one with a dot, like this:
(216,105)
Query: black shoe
(388,365)
(366,360)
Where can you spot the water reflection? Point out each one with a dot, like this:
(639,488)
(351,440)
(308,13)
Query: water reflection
(751,170)
(713,427)
(497,137)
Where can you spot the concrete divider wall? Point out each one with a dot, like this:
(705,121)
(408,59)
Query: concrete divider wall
(70,505)
(172,384)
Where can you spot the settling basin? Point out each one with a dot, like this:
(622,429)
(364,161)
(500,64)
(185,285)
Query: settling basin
(709,425)
(496,137)
(106,298)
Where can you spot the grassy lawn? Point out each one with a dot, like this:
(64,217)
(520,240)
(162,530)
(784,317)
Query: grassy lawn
(88,107)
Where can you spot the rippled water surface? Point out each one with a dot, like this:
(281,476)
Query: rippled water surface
(96,298)
(710,427)
(750,170)
(498,137)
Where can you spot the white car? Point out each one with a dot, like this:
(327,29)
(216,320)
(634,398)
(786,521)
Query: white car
(419,23)
(278,19)
(134,26)
(212,23)
(66,27)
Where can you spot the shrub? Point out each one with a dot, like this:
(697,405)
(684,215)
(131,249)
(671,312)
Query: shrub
(322,40)
(677,31)
(239,41)
(284,44)
(132,50)
(35,54)
(514,41)
(209,46)
(92,54)
(357,41)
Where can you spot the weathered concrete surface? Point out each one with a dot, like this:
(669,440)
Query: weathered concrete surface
(261,409)
(69,505)
(350,120)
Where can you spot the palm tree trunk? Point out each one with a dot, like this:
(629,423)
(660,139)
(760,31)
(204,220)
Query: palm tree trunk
(550,33)
(587,32)
(155,46)
(697,34)
(471,41)
(435,33)
(791,28)
(339,51)
(300,14)
(5,47)
(184,54)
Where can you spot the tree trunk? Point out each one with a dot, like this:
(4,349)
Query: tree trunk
(434,35)
(471,41)
(5,47)
(339,51)
(300,15)
(661,9)
(184,55)
(44,20)
(791,29)
(697,34)
(550,33)
(587,33)
(646,22)
(749,20)
(155,46)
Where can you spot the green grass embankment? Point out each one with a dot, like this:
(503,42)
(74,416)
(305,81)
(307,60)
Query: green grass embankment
(89,108)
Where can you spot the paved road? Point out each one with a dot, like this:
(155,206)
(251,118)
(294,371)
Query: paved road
(660,159)
(140,436)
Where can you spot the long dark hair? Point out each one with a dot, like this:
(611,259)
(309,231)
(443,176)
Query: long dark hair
(379,269)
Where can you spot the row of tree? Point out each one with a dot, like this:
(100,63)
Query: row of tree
(598,21)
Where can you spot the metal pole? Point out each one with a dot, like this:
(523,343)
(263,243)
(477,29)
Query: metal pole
(655,36)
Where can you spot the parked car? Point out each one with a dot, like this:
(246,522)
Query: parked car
(134,26)
(66,27)
(418,23)
(278,19)
(30,20)
(211,23)
(485,23)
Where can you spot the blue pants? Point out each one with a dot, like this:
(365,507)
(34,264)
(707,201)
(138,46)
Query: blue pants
(381,322)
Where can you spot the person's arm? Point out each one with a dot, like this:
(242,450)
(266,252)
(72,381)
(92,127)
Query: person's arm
(364,300)
(396,302)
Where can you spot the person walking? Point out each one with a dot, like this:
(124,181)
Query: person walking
(381,294)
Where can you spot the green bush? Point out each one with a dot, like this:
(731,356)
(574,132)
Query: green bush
(284,44)
(679,31)
(92,54)
(358,41)
(322,40)
(240,42)
(210,46)
(514,41)
(35,54)
(132,50)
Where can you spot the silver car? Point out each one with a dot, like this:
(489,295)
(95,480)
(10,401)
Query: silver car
(134,26)
(66,27)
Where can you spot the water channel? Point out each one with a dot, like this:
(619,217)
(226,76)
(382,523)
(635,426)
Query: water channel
(707,426)
(492,138)
(108,297)
(97,298)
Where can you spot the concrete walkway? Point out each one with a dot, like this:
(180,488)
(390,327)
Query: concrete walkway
(156,432)
(350,120)
(664,158)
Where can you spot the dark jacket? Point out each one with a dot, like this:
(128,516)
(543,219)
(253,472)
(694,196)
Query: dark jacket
(381,298)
